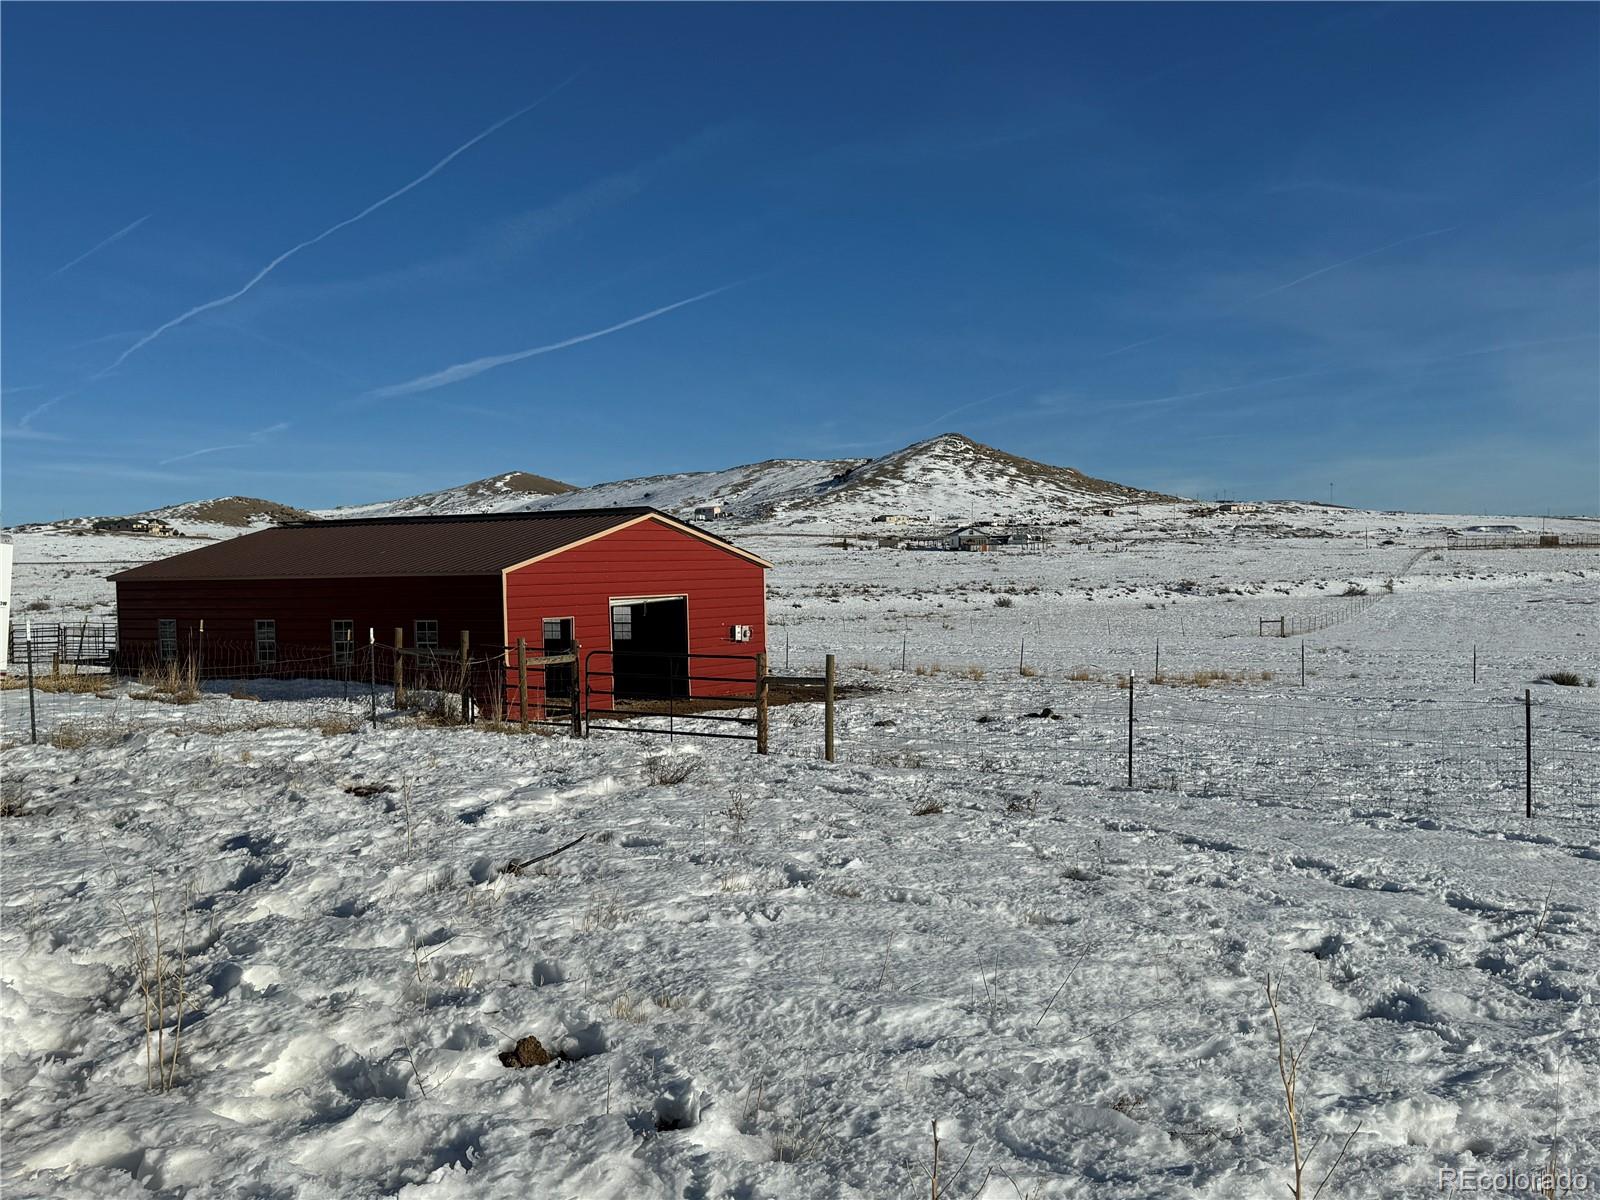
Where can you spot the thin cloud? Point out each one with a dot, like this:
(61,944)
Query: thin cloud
(1179,397)
(33,414)
(99,246)
(22,433)
(197,453)
(326,233)
(466,370)
(1405,241)
(1283,287)
(254,438)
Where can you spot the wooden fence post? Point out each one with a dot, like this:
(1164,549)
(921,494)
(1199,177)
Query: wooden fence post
(576,691)
(522,683)
(399,668)
(466,678)
(827,708)
(1302,662)
(761,703)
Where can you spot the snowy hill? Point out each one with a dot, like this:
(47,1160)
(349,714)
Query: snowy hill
(949,478)
(953,478)
(235,512)
(746,492)
(946,478)
(499,493)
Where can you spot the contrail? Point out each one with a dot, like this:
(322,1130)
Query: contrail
(207,450)
(115,237)
(1283,287)
(28,417)
(255,438)
(1178,397)
(1416,237)
(971,404)
(478,366)
(331,230)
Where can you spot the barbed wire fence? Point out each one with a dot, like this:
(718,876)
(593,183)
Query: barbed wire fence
(1466,761)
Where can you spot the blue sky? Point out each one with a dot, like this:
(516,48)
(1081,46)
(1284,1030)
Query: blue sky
(1252,250)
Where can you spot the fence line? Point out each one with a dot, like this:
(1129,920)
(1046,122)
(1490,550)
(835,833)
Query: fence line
(1467,759)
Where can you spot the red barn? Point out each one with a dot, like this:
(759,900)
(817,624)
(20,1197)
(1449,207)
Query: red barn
(644,590)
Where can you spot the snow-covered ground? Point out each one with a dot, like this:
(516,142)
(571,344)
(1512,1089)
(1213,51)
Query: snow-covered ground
(770,978)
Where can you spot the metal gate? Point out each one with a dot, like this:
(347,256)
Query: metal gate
(727,682)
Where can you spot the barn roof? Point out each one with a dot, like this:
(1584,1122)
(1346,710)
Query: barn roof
(368,547)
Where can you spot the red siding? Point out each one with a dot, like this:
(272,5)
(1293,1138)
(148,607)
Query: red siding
(645,559)
(648,558)
(304,610)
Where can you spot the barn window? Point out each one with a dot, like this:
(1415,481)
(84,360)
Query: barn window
(266,643)
(622,623)
(167,637)
(427,635)
(554,628)
(344,643)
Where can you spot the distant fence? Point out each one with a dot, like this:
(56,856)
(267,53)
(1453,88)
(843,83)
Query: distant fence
(1326,618)
(1522,541)
(85,644)
(1489,761)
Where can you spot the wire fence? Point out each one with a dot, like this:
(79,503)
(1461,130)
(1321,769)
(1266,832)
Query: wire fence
(1469,761)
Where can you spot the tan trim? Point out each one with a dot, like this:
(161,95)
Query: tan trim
(661,517)
(711,538)
(583,541)
(505,620)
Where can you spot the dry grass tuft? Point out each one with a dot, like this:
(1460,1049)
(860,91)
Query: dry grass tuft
(82,735)
(60,682)
(1027,672)
(333,726)
(171,683)
(669,770)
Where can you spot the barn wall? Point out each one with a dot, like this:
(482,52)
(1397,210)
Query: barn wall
(304,610)
(645,559)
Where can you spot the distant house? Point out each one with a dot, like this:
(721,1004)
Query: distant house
(707,512)
(1238,506)
(893,519)
(148,526)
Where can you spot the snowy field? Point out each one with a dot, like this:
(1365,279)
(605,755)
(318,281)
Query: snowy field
(768,978)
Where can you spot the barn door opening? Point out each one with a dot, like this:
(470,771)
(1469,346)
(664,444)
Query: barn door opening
(650,647)
(558,677)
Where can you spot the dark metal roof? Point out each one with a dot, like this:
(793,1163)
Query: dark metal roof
(377,547)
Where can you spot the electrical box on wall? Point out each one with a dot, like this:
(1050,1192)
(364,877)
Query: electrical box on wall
(739,633)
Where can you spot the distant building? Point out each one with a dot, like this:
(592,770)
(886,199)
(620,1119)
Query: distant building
(148,526)
(893,519)
(707,512)
(1238,506)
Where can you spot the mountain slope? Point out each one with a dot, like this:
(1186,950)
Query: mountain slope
(239,512)
(949,479)
(953,478)
(748,492)
(513,491)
